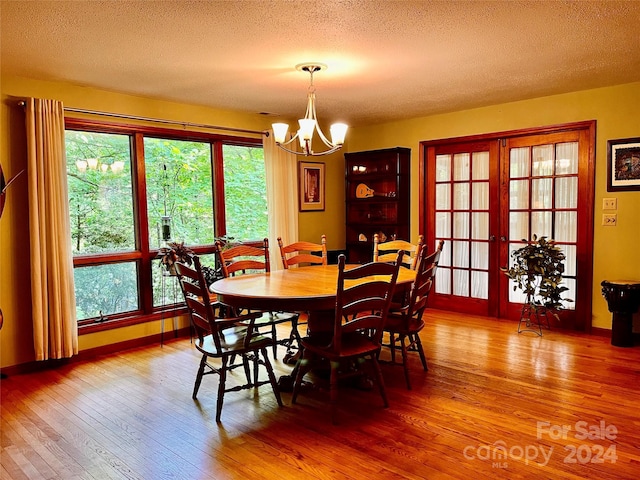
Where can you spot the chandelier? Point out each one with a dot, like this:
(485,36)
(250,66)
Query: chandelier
(309,124)
(95,164)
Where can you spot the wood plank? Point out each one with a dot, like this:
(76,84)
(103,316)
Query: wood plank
(130,414)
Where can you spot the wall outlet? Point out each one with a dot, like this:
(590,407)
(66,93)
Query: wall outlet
(609,219)
(609,203)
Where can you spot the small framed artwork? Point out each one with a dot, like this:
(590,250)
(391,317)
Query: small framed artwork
(311,186)
(623,164)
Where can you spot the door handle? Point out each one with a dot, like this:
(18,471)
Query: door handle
(492,238)
(503,238)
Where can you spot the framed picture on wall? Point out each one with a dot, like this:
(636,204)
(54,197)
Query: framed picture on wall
(623,164)
(311,186)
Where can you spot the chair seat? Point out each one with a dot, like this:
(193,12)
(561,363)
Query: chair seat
(269,320)
(232,341)
(354,344)
(396,323)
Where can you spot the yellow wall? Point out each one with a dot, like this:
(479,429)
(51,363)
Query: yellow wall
(16,345)
(616,251)
(617,255)
(312,225)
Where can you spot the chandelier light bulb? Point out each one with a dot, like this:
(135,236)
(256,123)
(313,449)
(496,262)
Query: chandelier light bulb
(280,132)
(338,132)
(81,165)
(307,127)
(117,166)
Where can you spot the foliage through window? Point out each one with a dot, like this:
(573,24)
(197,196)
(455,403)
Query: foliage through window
(100,193)
(133,190)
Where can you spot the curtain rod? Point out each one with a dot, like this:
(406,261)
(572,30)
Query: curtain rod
(22,103)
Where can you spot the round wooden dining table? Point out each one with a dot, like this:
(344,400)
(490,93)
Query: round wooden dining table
(309,289)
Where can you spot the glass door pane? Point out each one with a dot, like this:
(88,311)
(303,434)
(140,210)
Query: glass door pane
(543,201)
(462,221)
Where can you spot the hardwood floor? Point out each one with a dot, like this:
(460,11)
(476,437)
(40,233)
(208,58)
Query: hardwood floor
(130,415)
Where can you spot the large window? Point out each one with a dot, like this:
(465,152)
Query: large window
(131,190)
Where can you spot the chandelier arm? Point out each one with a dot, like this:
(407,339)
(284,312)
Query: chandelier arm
(319,154)
(323,138)
(311,153)
(312,106)
(288,142)
(282,146)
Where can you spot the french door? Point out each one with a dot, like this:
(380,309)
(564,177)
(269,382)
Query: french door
(484,195)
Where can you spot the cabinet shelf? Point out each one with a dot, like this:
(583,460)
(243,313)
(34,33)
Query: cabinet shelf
(377,199)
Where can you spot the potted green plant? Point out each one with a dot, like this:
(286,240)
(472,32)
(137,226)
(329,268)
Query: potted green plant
(537,271)
(172,253)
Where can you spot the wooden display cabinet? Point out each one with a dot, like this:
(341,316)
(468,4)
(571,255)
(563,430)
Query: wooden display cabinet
(377,199)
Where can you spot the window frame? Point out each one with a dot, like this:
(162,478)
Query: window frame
(143,255)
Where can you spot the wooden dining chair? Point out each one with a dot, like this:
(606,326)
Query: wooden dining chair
(300,253)
(360,313)
(404,322)
(253,257)
(223,338)
(294,255)
(387,251)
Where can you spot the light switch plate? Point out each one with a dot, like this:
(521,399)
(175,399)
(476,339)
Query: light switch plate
(609,203)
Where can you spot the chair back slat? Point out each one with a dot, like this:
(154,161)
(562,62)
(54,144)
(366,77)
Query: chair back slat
(421,287)
(420,292)
(363,298)
(387,251)
(196,296)
(300,253)
(243,258)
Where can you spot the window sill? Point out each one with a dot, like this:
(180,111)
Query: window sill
(106,325)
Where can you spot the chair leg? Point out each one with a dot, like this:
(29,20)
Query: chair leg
(221,388)
(272,376)
(302,367)
(418,344)
(294,336)
(378,372)
(275,341)
(199,375)
(247,369)
(392,346)
(333,391)
(405,364)
(293,343)
(256,368)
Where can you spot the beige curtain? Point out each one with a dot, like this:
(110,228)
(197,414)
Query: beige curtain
(55,332)
(282,197)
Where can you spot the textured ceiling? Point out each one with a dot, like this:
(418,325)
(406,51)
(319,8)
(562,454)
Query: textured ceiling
(387,60)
